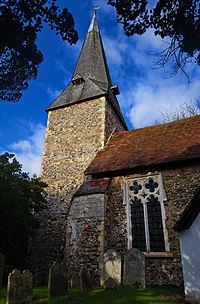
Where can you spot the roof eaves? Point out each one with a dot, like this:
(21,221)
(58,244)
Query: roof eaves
(94,186)
(74,102)
(126,170)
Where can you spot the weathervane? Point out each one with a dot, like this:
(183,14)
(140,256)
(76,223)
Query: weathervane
(96,8)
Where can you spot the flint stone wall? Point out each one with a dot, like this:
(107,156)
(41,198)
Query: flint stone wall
(113,123)
(85,234)
(20,286)
(74,135)
(116,219)
(180,184)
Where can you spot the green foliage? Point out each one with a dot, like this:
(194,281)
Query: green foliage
(20,22)
(21,196)
(177,19)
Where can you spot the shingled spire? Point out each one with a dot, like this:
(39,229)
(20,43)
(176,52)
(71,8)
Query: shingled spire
(91,77)
(92,63)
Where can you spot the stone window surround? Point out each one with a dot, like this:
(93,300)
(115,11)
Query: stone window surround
(162,197)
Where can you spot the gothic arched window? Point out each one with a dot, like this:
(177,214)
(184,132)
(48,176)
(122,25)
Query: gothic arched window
(144,198)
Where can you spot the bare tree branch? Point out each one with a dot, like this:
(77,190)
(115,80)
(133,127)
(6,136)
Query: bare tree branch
(185,109)
(173,54)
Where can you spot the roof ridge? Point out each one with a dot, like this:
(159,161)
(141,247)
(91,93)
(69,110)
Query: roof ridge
(182,120)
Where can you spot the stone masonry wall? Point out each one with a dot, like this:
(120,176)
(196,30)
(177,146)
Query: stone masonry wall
(85,234)
(115,219)
(180,184)
(74,135)
(112,121)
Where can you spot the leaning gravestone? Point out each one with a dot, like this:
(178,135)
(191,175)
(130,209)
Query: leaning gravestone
(110,283)
(134,268)
(85,280)
(111,267)
(57,284)
(20,286)
(2,261)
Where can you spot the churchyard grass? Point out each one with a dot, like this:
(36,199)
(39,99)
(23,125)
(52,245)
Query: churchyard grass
(2,296)
(150,295)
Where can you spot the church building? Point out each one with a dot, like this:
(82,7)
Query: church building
(108,187)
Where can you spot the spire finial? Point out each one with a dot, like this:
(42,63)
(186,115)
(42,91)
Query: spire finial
(94,24)
(95,9)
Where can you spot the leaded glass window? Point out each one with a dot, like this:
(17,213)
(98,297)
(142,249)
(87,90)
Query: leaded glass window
(146,214)
(156,236)
(138,225)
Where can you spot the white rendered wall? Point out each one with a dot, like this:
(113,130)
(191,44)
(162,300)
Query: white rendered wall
(190,252)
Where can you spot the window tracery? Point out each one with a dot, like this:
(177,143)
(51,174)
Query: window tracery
(144,199)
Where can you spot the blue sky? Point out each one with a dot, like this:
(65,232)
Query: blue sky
(145,90)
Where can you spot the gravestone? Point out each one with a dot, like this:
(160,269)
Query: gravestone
(2,261)
(134,268)
(85,280)
(20,286)
(74,280)
(110,283)
(57,284)
(110,267)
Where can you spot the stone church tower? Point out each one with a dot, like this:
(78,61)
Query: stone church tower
(80,122)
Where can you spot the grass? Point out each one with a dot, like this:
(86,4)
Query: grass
(150,295)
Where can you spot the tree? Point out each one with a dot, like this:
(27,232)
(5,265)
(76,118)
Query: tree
(21,196)
(185,109)
(20,22)
(177,19)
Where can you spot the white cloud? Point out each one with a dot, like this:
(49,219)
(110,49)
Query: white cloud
(73,50)
(115,50)
(21,145)
(148,99)
(145,91)
(149,40)
(144,50)
(61,66)
(53,94)
(29,151)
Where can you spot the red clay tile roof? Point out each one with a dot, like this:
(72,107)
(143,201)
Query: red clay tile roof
(164,143)
(93,187)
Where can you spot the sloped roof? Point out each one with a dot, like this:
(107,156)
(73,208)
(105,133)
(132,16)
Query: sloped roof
(93,186)
(159,144)
(189,214)
(93,72)
(91,67)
